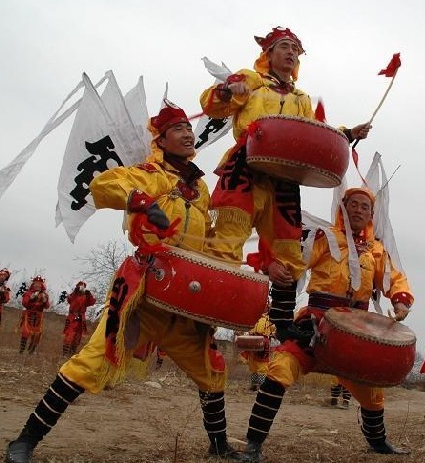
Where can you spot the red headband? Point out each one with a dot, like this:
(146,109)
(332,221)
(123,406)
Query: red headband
(278,33)
(168,116)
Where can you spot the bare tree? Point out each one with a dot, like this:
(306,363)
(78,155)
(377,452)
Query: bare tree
(101,263)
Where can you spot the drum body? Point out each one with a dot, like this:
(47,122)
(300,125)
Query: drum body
(251,343)
(364,347)
(206,289)
(306,152)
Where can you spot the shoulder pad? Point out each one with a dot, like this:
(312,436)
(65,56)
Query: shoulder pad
(148,167)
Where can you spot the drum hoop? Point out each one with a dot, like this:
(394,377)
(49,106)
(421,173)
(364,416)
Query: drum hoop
(287,162)
(204,318)
(206,262)
(336,372)
(371,338)
(307,121)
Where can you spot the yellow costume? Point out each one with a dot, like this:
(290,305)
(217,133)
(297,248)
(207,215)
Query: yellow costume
(330,286)
(171,181)
(252,203)
(244,199)
(181,338)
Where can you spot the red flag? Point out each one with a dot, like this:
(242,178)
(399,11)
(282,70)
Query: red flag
(319,114)
(391,69)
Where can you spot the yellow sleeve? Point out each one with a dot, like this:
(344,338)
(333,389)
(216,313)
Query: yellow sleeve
(215,108)
(320,247)
(398,280)
(307,108)
(111,188)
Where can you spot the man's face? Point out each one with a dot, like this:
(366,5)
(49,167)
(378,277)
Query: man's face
(359,210)
(37,286)
(179,140)
(3,277)
(284,56)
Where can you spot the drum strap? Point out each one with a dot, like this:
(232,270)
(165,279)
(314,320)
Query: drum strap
(327,301)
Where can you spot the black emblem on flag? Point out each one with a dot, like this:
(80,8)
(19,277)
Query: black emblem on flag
(102,151)
(213,126)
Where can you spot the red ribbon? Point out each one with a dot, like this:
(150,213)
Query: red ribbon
(263,258)
(140,227)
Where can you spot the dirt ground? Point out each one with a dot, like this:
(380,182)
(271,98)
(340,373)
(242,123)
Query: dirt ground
(159,420)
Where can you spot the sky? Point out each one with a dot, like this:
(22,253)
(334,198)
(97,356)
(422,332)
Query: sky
(46,45)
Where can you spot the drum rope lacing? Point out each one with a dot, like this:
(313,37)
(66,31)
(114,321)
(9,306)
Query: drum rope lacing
(201,318)
(288,162)
(307,121)
(368,337)
(245,274)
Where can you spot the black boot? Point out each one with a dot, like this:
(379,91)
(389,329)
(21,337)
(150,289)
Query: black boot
(253,453)
(22,345)
(60,394)
(345,404)
(212,405)
(385,447)
(19,452)
(221,448)
(374,430)
(31,348)
(267,404)
(281,314)
(283,301)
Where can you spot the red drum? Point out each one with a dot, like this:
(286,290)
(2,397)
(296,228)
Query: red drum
(250,343)
(301,150)
(364,347)
(206,289)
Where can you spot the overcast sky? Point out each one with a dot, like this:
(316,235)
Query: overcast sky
(45,45)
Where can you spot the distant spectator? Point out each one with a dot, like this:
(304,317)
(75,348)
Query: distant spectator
(4,290)
(337,389)
(35,300)
(75,324)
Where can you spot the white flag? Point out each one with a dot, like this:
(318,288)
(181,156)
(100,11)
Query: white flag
(117,109)
(135,102)
(104,135)
(377,180)
(10,172)
(129,116)
(209,130)
(94,145)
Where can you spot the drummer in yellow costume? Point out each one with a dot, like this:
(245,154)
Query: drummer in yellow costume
(164,188)
(244,199)
(331,286)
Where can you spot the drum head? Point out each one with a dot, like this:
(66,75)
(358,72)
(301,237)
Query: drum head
(371,326)
(300,150)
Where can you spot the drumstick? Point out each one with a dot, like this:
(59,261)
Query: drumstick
(392,73)
(391,314)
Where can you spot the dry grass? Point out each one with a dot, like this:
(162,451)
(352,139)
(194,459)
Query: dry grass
(138,422)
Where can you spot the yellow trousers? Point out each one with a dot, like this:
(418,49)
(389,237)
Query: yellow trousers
(285,369)
(181,338)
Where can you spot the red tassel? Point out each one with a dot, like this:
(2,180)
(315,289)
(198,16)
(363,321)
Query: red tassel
(262,259)
(141,226)
(355,157)
(319,114)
